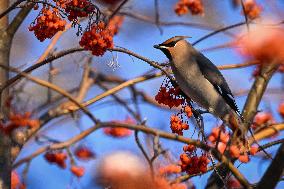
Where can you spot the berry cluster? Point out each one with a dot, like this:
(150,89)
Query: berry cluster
(261,119)
(115,24)
(221,137)
(61,3)
(119,132)
(177,126)
(19,120)
(84,153)
(252,9)
(194,6)
(57,158)
(254,45)
(78,171)
(47,24)
(218,134)
(189,148)
(98,39)
(170,95)
(16,182)
(78,9)
(193,164)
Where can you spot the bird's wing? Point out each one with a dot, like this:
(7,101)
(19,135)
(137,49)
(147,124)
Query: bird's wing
(214,76)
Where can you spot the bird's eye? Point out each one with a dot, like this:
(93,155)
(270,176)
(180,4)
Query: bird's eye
(170,44)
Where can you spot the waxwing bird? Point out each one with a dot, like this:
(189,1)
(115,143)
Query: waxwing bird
(199,78)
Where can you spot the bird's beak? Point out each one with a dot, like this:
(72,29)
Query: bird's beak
(159,47)
(156,46)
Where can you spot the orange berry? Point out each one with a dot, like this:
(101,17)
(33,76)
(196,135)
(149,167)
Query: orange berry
(224,137)
(185,159)
(281,109)
(211,138)
(215,132)
(234,151)
(84,153)
(78,171)
(253,150)
(252,10)
(189,148)
(221,147)
(15,180)
(262,118)
(244,158)
(188,111)
(184,6)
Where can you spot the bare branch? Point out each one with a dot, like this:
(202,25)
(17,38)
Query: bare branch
(39,64)
(257,91)
(12,7)
(274,172)
(53,43)
(55,88)
(19,18)
(144,129)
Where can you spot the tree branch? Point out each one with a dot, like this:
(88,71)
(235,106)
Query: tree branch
(19,18)
(144,129)
(12,7)
(274,172)
(39,64)
(55,88)
(256,92)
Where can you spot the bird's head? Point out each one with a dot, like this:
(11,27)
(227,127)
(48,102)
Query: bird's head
(172,45)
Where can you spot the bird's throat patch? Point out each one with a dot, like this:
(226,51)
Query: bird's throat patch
(167,53)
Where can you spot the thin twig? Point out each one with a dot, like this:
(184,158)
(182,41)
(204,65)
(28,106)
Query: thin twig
(245,14)
(218,31)
(55,88)
(117,9)
(35,66)
(52,43)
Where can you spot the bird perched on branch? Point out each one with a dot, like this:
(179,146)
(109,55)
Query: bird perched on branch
(200,79)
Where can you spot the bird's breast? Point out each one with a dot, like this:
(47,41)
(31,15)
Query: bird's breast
(195,85)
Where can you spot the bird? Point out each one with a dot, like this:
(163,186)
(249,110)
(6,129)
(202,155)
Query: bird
(200,79)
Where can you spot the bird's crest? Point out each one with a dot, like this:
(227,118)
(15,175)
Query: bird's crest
(172,41)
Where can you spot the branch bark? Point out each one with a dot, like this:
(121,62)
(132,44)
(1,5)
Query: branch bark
(18,20)
(5,142)
(274,171)
(256,93)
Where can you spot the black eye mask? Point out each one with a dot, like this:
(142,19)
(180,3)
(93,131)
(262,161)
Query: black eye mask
(167,53)
(171,44)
